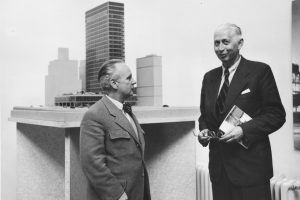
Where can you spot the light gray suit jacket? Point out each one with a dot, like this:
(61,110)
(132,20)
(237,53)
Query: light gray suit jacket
(112,156)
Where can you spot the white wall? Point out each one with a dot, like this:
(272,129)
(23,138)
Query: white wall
(180,31)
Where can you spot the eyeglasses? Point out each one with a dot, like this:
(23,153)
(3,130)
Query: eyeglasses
(211,134)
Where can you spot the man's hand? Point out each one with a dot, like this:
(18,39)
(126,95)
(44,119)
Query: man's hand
(124,197)
(235,135)
(203,137)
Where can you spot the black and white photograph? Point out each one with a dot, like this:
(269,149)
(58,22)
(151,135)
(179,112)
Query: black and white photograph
(126,100)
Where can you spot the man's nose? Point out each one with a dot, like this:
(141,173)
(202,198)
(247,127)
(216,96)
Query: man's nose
(133,82)
(221,47)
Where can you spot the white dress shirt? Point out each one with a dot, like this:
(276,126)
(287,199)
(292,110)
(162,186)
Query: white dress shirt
(120,106)
(231,70)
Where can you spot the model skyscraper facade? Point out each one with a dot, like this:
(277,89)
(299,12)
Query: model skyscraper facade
(62,77)
(149,80)
(104,39)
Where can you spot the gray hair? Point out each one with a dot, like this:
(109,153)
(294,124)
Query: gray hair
(237,30)
(105,74)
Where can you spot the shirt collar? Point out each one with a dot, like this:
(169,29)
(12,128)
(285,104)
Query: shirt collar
(117,103)
(233,67)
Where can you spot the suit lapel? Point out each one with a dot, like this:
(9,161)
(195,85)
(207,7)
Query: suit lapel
(120,118)
(213,89)
(237,84)
(140,132)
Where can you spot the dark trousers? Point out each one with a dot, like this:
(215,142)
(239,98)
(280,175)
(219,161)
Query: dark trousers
(225,190)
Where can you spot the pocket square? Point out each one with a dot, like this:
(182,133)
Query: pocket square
(246,91)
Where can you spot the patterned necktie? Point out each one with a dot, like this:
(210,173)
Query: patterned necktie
(127,108)
(223,93)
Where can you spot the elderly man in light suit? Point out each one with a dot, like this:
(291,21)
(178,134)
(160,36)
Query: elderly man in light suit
(112,141)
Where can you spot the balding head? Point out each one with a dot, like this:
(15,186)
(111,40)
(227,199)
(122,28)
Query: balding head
(105,73)
(232,28)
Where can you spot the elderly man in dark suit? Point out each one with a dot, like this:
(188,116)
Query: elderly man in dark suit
(112,141)
(238,173)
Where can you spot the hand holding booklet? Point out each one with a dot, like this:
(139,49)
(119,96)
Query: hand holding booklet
(234,118)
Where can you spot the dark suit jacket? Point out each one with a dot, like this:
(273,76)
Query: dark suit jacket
(111,155)
(252,166)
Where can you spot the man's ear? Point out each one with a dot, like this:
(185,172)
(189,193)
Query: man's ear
(241,43)
(113,83)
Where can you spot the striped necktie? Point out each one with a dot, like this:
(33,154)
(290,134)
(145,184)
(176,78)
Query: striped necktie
(223,93)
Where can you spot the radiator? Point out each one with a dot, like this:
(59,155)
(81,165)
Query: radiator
(285,189)
(203,184)
(281,187)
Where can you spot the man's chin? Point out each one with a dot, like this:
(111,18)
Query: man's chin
(223,59)
(129,95)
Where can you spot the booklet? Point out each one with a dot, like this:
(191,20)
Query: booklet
(235,117)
